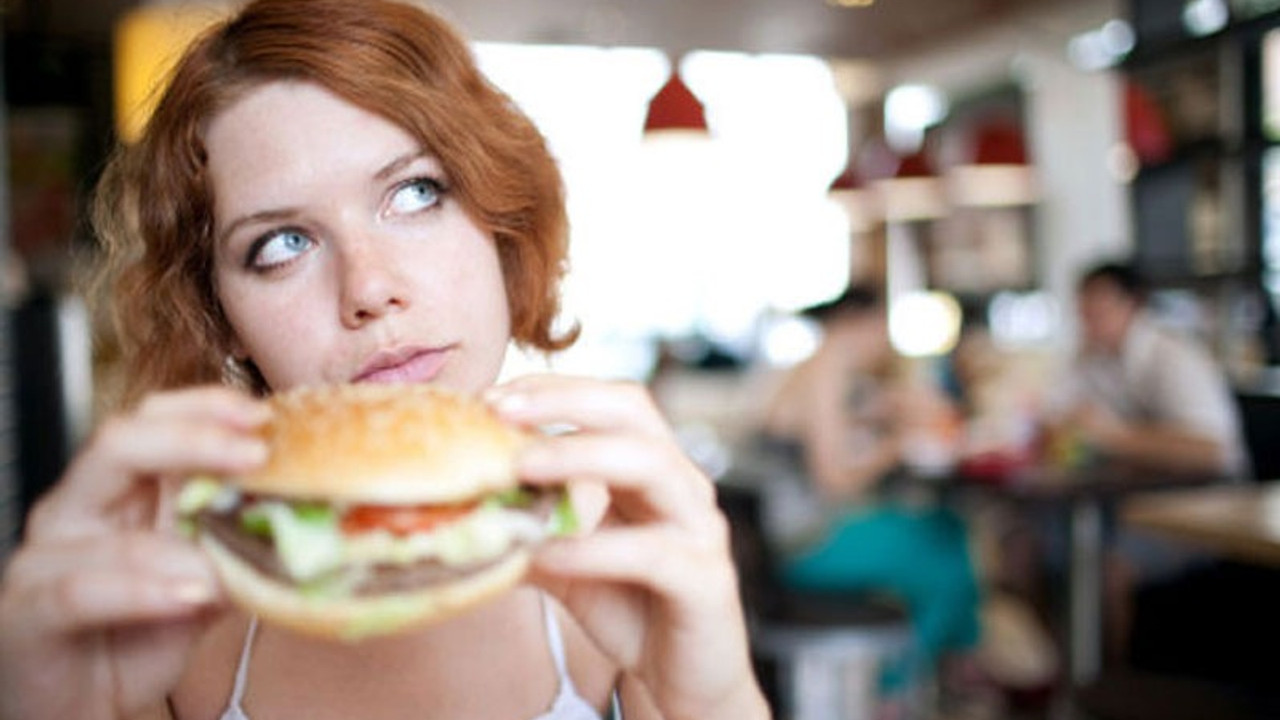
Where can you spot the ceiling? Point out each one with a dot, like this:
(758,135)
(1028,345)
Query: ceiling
(884,29)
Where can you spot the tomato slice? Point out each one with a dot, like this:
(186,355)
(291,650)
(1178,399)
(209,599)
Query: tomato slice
(402,520)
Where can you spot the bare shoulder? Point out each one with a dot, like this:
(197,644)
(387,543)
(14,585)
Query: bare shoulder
(206,684)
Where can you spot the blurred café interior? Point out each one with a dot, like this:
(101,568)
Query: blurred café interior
(732,165)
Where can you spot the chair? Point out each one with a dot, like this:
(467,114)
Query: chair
(821,655)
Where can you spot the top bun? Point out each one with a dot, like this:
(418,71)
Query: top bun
(384,444)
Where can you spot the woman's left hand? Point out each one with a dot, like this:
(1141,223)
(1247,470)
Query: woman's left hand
(653,583)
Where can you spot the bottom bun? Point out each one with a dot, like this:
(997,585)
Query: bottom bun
(359,617)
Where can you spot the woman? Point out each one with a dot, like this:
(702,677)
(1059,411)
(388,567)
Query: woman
(329,191)
(836,428)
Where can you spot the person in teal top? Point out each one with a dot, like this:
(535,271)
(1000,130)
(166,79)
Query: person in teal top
(839,425)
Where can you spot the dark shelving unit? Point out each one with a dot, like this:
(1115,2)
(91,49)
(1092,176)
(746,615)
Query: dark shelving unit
(1199,208)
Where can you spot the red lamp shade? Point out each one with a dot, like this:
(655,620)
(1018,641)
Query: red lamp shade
(675,107)
(915,165)
(999,143)
(997,173)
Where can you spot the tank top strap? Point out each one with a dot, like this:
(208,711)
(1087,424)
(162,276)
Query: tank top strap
(555,641)
(242,669)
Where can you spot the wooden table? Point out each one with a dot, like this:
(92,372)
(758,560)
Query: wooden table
(1240,521)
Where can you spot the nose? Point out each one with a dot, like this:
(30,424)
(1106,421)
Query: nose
(370,285)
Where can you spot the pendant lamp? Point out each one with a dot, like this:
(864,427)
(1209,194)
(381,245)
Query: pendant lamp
(998,173)
(675,109)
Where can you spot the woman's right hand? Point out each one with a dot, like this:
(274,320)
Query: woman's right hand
(102,601)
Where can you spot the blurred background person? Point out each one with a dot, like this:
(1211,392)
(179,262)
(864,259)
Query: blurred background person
(1144,393)
(835,429)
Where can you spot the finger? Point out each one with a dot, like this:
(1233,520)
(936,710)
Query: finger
(664,559)
(128,449)
(97,599)
(590,501)
(133,554)
(657,475)
(156,447)
(643,555)
(212,403)
(584,403)
(80,586)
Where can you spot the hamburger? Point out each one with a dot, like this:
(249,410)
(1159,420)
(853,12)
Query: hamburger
(380,508)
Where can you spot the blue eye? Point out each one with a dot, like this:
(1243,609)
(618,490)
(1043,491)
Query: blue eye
(277,248)
(416,195)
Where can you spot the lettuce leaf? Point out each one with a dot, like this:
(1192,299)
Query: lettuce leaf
(564,519)
(197,494)
(307,538)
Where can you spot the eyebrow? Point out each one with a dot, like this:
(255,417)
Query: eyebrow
(400,163)
(280,214)
(265,216)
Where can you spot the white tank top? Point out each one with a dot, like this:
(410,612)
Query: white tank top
(568,704)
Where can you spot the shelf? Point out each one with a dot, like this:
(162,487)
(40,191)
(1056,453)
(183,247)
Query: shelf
(1151,52)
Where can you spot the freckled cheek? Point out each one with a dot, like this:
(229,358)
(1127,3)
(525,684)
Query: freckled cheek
(283,342)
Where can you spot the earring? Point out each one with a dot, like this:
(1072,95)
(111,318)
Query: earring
(235,374)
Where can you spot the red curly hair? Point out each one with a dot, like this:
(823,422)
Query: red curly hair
(153,211)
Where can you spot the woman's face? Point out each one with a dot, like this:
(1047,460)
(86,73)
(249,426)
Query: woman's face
(340,254)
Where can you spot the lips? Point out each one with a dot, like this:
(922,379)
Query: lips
(403,365)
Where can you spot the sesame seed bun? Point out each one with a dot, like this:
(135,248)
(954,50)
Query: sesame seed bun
(384,444)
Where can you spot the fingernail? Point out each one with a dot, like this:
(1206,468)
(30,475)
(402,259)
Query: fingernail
(509,403)
(191,592)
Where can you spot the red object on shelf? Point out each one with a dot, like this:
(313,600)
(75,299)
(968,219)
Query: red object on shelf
(1146,129)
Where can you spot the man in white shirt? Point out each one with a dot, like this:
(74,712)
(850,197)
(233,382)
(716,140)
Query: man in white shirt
(1146,393)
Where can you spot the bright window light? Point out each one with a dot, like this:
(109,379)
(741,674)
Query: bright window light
(670,240)
(924,323)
